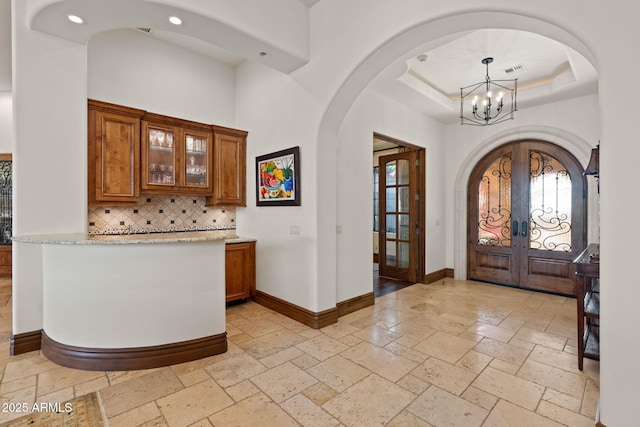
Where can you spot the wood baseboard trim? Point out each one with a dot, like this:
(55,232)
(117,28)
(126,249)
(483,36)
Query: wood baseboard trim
(355,304)
(25,342)
(300,314)
(438,275)
(122,359)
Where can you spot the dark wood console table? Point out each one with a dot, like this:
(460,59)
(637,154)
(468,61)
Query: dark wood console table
(588,302)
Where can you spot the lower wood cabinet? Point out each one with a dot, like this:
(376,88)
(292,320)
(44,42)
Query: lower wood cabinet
(240,268)
(5,261)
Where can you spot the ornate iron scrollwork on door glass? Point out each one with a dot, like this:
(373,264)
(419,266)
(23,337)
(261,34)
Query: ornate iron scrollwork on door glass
(6,191)
(549,204)
(494,204)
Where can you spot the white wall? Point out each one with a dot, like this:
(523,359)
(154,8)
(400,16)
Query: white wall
(49,154)
(375,113)
(279,115)
(131,68)
(6,122)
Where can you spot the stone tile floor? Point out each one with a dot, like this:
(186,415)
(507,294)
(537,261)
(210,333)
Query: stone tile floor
(452,353)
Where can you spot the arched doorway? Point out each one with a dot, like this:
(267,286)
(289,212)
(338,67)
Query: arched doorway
(527,216)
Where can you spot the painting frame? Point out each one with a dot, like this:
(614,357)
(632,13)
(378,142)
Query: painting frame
(282,170)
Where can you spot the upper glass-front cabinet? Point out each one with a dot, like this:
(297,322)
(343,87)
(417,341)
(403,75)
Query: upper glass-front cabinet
(175,160)
(197,160)
(160,162)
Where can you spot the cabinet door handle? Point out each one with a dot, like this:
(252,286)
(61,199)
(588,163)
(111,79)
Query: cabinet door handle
(525,229)
(515,228)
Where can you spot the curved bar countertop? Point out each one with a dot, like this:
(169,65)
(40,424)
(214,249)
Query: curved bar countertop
(117,302)
(127,239)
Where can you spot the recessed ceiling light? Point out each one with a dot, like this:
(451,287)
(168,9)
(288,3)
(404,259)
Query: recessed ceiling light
(422,57)
(263,53)
(75,19)
(175,20)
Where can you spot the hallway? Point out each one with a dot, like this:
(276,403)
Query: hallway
(449,353)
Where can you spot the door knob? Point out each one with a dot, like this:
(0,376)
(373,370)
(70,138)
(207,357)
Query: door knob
(515,228)
(524,229)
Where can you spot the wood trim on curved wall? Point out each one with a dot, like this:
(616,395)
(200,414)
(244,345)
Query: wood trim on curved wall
(121,359)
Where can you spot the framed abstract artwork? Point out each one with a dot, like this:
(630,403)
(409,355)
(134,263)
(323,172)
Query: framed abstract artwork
(278,178)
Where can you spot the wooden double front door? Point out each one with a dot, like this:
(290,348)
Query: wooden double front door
(527,217)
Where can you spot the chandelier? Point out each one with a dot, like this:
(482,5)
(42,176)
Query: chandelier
(486,100)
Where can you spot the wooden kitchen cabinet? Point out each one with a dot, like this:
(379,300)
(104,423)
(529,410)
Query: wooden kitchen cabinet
(240,271)
(176,156)
(229,168)
(113,153)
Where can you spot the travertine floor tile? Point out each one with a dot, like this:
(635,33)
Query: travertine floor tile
(480,398)
(338,373)
(444,375)
(413,329)
(136,416)
(193,403)
(446,347)
(407,419)
(521,392)
(381,361)
(59,378)
(283,381)
(590,400)
(474,361)
(507,414)
(490,331)
(308,413)
(259,327)
(266,345)
(27,367)
(555,378)
(373,401)
(564,416)
(441,408)
(228,372)
(137,391)
(255,411)
(543,338)
(507,352)
(322,347)
(563,400)
(320,393)
(376,335)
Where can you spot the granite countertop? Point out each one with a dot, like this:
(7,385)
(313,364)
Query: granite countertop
(119,239)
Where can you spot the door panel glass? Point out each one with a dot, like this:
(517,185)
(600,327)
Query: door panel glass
(403,172)
(391,173)
(391,226)
(391,199)
(403,225)
(403,254)
(494,204)
(549,204)
(391,253)
(403,199)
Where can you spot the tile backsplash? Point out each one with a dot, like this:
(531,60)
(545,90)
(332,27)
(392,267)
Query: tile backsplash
(156,214)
